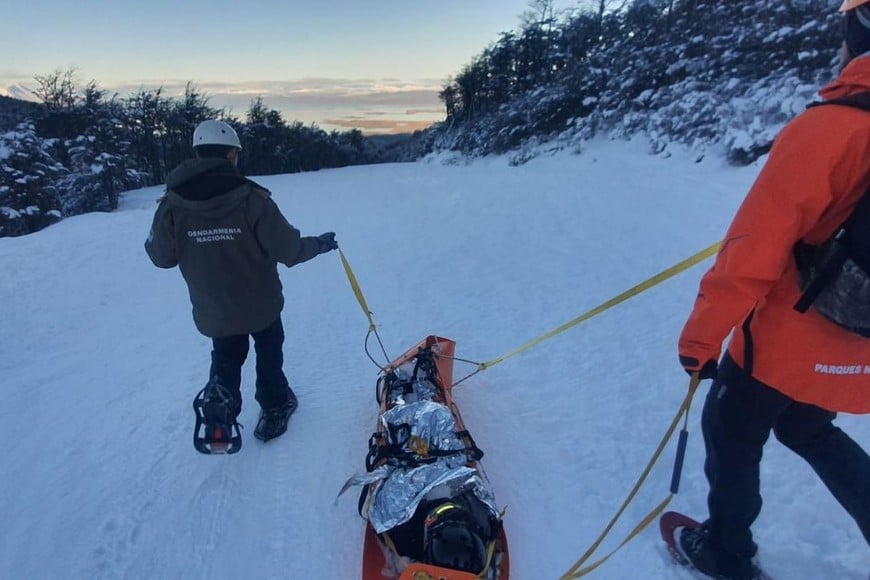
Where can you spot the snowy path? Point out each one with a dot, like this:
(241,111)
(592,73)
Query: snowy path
(100,361)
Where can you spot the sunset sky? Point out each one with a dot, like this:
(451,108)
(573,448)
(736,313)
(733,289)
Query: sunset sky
(376,65)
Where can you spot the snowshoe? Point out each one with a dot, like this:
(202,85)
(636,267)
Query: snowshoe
(696,554)
(273,422)
(216,432)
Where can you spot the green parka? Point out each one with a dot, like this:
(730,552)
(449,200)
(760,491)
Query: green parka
(227,236)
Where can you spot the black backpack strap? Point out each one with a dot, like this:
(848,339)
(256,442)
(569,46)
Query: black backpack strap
(833,261)
(847,241)
(748,348)
(855,238)
(856,101)
(857,233)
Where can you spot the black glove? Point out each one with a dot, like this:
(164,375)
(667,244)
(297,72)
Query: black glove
(327,242)
(708,371)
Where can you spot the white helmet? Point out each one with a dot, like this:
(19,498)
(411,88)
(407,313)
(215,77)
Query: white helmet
(215,133)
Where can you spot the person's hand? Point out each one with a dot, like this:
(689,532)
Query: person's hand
(327,242)
(706,371)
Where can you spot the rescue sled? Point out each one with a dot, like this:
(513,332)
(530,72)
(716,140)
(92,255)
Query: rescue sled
(416,387)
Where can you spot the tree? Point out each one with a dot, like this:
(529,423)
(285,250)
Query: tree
(183,117)
(57,90)
(147,119)
(257,112)
(538,38)
(28,197)
(85,148)
(448,95)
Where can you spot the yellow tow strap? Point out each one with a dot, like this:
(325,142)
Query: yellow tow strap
(356,289)
(645,285)
(576,571)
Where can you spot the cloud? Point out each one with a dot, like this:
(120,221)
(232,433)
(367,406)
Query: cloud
(380,126)
(308,91)
(330,103)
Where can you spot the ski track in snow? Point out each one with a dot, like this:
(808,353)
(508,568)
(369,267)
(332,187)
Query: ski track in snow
(103,361)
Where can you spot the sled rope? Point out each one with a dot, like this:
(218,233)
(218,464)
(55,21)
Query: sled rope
(365,307)
(634,291)
(576,571)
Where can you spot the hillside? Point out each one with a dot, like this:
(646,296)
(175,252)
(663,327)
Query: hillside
(14,111)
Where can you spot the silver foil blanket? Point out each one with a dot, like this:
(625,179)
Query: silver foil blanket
(399,487)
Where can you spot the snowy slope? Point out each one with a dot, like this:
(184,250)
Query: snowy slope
(100,360)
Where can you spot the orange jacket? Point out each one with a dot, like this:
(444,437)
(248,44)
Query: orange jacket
(817,170)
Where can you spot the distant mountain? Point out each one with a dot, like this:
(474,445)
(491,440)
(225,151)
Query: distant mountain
(17,92)
(14,111)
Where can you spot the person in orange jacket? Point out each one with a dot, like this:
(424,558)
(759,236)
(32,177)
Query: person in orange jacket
(783,371)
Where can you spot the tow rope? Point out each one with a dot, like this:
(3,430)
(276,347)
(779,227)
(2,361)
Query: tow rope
(365,308)
(634,291)
(576,571)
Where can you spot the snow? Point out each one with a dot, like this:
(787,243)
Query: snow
(101,361)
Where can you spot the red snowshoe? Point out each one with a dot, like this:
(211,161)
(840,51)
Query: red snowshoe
(216,431)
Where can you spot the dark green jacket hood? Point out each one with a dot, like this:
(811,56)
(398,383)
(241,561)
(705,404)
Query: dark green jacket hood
(209,187)
(199,179)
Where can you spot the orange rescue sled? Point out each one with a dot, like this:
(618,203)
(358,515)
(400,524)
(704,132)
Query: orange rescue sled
(381,560)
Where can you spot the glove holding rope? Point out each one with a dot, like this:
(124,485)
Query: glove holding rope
(706,371)
(327,242)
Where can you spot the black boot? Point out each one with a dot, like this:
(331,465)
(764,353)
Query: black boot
(695,545)
(273,422)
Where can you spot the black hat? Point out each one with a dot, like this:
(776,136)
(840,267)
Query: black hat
(857,30)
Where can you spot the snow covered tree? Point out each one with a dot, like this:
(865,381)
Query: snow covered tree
(89,139)
(699,73)
(28,196)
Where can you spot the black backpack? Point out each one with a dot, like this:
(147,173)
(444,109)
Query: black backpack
(835,275)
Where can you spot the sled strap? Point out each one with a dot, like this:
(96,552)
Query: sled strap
(354,284)
(400,560)
(490,551)
(474,452)
(356,289)
(634,291)
(419,454)
(576,571)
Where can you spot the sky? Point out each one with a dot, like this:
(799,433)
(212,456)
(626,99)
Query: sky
(376,65)
(100,478)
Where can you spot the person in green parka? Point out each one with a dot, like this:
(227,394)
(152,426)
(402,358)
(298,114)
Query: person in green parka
(227,236)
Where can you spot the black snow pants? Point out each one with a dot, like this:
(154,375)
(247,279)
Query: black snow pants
(229,354)
(739,414)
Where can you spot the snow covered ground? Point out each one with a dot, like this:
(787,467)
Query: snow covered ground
(100,360)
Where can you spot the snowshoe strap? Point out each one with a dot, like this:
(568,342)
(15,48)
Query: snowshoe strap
(216,431)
